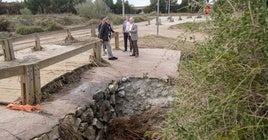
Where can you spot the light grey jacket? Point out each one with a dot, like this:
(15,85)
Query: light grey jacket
(134,32)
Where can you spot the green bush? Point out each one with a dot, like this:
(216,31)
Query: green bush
(49,25)
(52,27)
(223,83)
(25,11)
(94,22)
(140,19)
(24,30)
(117,20)
(4,24)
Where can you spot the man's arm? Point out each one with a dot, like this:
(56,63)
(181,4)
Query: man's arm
(124,26)
(134,29)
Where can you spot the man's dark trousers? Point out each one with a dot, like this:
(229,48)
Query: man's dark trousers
(126,36)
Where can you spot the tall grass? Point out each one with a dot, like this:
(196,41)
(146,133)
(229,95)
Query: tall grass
(224,82)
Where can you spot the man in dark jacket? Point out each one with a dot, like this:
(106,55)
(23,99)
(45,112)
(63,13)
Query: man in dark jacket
(102,20)
(105,34)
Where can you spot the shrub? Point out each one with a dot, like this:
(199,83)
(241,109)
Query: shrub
(117,20)
(49,25)
(4,24)
(53,27)
(27,17)
(153,13)
(224,82)
(24,30)
(93,22)
(140,19)
(25,11)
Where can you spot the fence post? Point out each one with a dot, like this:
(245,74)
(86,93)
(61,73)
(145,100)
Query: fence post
(8,50)
(31,85)
(116,38)
(97,52)
(37,46)
(93,31)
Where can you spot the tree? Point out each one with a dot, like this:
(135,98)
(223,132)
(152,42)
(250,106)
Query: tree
(163,6)
(109,3)
(117,9)
(90,9)
(38,6)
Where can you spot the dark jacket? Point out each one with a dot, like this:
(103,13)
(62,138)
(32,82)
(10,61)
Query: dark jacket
(105,31)
(99,28)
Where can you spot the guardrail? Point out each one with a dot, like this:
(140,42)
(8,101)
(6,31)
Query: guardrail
(30,73)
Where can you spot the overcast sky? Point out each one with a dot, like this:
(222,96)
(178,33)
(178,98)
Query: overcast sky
(134,2)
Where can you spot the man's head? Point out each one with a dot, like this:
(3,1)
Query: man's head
(127,18)
(107,20)
(104,19)
(131,20)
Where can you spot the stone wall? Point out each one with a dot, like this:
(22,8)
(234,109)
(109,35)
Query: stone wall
(89,121)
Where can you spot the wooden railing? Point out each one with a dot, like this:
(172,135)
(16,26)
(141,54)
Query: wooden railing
(30,72)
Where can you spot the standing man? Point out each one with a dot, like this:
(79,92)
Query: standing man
(105,32)
(126,26)
(102,21)
(133,33)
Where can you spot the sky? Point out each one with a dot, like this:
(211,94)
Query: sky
(134,2)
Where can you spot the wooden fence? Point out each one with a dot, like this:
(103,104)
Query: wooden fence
(30,73)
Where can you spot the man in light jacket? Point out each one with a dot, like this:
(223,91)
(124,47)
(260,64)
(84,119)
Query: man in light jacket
(133,33)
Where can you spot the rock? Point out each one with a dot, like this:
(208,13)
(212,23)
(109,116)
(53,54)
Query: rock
(54,133)
(83,127)
(77,124)
(98,95)
(69,120)
(44,137)
(87,116)
(90,103)
(89,134)
(112,99)
(107,115)
(121,88)
(124,79)
(100,135)
(97,123)
(93,106)
(122,94)
(113,87)
(79,111)
(107,95)
(106,106)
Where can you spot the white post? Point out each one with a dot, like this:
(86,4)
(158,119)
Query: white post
(123,8)
(157,24)
(168,8)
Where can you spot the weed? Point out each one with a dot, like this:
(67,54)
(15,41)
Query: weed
(224,83)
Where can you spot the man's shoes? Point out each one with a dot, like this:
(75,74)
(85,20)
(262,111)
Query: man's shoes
(132,55)
(124,50)
(113,58)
